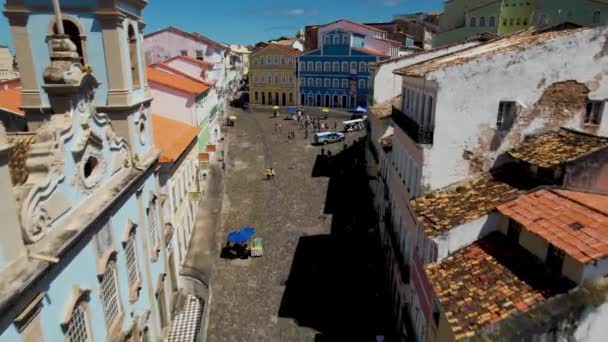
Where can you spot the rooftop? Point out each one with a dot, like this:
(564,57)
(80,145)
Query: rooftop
(172,70)
(385,109)
(172,137)
(446,208)
(371,52)
(574,222)
(176,82)
(193,60)
(355,23)
(509,43)
(194,35)
(10,101)
(488,281)
(284,48)
(557,148)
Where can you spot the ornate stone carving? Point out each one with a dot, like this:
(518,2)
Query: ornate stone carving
(65,62)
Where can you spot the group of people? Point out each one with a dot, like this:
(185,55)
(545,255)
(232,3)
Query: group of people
(269,173)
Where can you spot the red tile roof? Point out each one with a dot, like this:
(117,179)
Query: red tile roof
(172,137)
(287,49)
(371,51)
(172,70)
(488,281)
(176,82)
(10,101)
(193,60)
(574,222)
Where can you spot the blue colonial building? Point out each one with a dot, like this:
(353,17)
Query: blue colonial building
(84,248)
(336,74)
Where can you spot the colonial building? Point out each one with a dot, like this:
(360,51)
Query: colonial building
(83,253)
(170,42)
(336,74)
(273,77)
(179,182)
(408,163)
(181,97)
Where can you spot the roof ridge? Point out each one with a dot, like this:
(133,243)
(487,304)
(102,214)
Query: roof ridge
(181,73)
(552,190)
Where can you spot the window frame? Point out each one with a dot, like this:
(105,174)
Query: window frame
(594,111)
(112,327)
(129,245)
(501,119)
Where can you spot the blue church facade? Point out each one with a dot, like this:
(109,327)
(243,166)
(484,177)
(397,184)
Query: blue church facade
(84,248)
(336,74)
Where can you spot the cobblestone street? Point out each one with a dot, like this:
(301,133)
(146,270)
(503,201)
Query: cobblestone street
(317,280)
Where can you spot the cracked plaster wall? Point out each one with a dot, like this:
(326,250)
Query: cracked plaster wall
(468,97)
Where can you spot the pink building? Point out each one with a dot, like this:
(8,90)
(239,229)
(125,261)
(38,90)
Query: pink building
(192,67)
(375,39)
(167,43)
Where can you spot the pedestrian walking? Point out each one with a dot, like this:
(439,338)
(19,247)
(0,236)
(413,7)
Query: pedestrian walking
(223,165)
(335,124)
(306,134)
(322,151)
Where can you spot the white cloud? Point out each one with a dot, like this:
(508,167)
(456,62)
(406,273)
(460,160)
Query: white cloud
(295,11)
(391,3)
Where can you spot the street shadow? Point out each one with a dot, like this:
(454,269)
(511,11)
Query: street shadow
(335,282)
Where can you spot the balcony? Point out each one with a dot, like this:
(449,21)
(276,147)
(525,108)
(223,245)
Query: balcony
(419,134)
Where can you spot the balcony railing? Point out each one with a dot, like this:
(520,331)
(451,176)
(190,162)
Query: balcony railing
(419,134)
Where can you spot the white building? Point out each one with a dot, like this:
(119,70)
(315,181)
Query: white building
(464,109)
(459,112)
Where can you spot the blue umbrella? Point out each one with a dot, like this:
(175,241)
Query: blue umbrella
(241,235)
(291,110)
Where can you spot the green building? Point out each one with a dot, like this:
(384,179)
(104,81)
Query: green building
(465,18)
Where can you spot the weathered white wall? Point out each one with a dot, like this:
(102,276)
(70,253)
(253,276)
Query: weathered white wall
(469,95)
(465,234)
(387,85)
(593,327)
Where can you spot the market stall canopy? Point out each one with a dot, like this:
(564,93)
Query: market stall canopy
(241,235)
(233,118)
(275,107)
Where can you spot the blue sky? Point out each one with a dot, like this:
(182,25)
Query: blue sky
(251,21)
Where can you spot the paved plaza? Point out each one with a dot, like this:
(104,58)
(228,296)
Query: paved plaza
(319,277)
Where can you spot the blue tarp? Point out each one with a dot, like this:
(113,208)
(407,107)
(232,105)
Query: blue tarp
(241,235)
(291,110)
(359,109)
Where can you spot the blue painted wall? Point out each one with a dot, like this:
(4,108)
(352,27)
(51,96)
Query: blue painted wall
(342,52)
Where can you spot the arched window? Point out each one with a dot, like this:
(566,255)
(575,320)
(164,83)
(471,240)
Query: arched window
(75,323)
(327,83)
(336,83)
(344,83)
(318,67)
(361,84)
(336,67)
(353,66)
(326,40)
(73,32)
(492,22)
(311,82)
(336,39)
(319,83)
(134,276)
(482,21)
(473,22)
(327,67)
(345,39)
(302,66)
(154,229)
(310,67)
(134,58)
(344,66)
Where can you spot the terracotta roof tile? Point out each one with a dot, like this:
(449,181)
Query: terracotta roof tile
(556,148)
(18,155)
(172,70)
(465,201)
(558,211)
(176,82)
(488,281)
(10,100)
(172,137)
(513,42)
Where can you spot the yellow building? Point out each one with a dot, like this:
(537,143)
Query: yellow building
(272,76)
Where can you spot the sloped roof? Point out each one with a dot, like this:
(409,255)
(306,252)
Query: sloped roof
(193,60)
(172,70)
(176,82)
(557,148)
(172,137)
(574,222)
(488,281)
(385,109)
(355,23)
(512,42)
(10,101)
(371,52)
(465,201)
(194,35)
(283,48)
